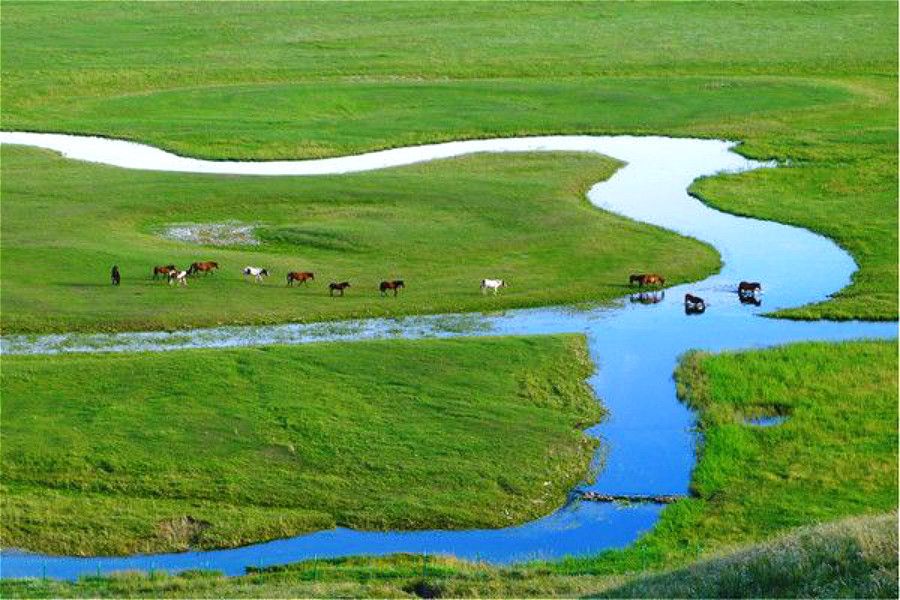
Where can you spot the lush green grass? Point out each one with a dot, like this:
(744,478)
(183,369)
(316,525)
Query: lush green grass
(853,558)
(814,83)
(835,456)
(165,451)
(442,227)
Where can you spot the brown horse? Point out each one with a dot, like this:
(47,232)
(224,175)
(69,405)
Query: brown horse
(207,267)
(163,270)
(340,287)
(299,276)
(749,288)
(652,279)
(391,285)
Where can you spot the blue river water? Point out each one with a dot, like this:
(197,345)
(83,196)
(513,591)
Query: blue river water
(648,441)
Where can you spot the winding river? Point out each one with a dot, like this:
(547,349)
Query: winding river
(648,439)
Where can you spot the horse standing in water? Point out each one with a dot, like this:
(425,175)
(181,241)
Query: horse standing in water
(300,277)
(391,285)
(340,287)
(694,305)
(749,288)
(115,276)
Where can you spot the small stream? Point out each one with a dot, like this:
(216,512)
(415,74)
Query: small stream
(647,441)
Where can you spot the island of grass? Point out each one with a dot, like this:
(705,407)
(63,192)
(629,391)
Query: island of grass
(833,458)
(117,454)
(442,227)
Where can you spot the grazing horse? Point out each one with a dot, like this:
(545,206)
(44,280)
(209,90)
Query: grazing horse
(337,286)
(636,278)
(652,279)
(207,267)
(693,305)
(299,276)
(492,284)
(256,272)
(391,285)
(178,277)
(749,288)
(163,270)
(115,276)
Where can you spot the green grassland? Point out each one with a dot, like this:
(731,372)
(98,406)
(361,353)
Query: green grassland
(441,227)
(834,457)
(811,84)
(200,448)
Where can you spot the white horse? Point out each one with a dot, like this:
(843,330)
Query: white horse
(492,284)
(177,277)
(256,272)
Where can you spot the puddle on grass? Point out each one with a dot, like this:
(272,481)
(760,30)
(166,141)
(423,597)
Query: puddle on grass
(231,233)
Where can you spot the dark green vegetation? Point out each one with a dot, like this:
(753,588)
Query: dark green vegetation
(442,227)
(165,451)
(835,457)
(813,83)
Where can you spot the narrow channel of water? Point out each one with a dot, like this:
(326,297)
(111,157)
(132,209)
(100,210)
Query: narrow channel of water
(647,440)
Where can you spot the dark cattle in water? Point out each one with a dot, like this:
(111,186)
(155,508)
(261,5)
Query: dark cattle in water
(693,305)
(163,270)
(206,267)
(749,288)
(391,285)
(115,276)
(340,287)
(299,276)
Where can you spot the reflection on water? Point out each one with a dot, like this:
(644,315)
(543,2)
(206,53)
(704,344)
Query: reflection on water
(647,440)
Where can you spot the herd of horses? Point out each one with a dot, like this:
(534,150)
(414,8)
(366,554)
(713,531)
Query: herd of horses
(748,291)
(176,276)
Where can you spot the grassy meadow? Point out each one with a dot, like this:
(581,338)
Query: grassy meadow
(217,448)
(441,227)
(810,84)
(835,457)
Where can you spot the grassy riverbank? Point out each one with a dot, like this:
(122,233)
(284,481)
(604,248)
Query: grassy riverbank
(442,227)
(853,557)
(157,452)
(834,457)
(814,84)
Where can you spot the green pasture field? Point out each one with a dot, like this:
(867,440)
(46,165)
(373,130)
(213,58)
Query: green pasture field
(115,454)
(813,85)
(441,227)
(834,457)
